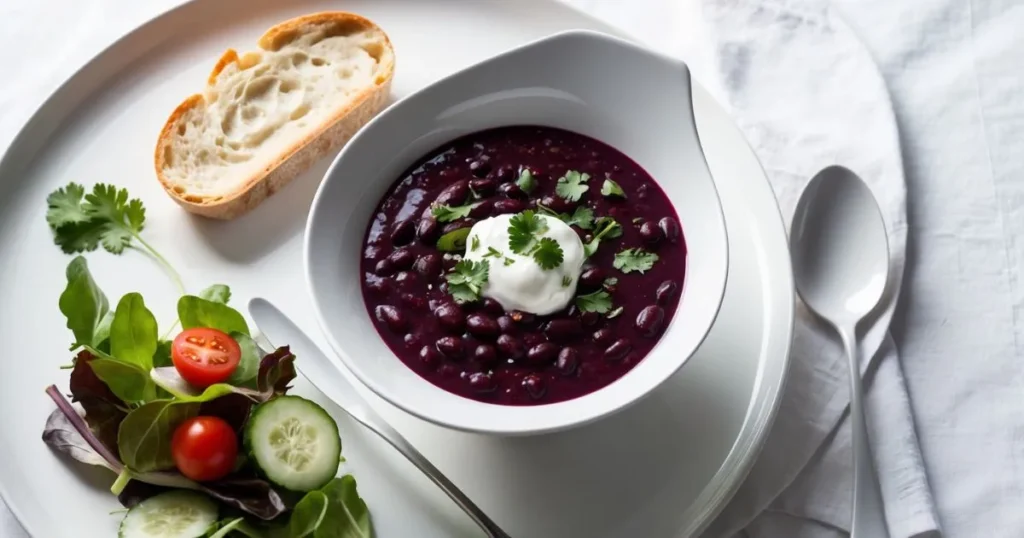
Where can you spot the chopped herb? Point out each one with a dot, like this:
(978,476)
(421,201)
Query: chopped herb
(634,259)
(572,186)
(466,280)
(606,227)
(615,313)
(526,181)
(453,241)
(509,261)
(599,301)
(566,281)
(548,253)
(609,282)
(637,220)
(474,243)
(447,213)
(493,253)
(611,188)
(524,231)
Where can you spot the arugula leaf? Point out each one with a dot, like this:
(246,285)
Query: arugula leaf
(133,335)
(599,301)
(64,206)
(126,380)
(346,515)
(634,259)
(162,357)
(218,293)
(572,185)
(524,229)
(197,312)
(447,213)
(467,279)
(607,227)
(308,515)
(548,253)
(526,182)
(249,365)
(84,305)
(611,188)
(453,241)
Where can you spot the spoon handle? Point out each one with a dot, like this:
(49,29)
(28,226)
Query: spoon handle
(868,518)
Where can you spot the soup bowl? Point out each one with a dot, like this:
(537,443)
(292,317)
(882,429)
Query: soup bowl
(611,90)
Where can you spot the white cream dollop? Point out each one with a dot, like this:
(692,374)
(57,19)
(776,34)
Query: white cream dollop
(522,284)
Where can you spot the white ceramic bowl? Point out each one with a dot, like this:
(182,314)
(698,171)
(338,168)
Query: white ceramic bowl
(609,89)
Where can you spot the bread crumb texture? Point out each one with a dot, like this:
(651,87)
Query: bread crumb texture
(263,106)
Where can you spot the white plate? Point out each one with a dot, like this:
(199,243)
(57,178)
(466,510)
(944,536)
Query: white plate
(663,468)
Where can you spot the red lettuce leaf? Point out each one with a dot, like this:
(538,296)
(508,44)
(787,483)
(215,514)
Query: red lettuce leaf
(277,370)
(103,410)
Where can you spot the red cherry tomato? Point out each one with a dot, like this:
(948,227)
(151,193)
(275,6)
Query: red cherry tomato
(204,448)
(205,356)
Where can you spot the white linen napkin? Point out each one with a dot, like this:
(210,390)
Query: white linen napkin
(807,94)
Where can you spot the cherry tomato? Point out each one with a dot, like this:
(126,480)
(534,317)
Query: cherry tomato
(205,356)
(204,448)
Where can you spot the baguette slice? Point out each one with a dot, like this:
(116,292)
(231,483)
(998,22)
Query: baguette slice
(267,115)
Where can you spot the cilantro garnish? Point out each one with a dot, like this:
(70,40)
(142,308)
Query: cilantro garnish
(611,188)
(583,217)
(474,243)
(634,259)
(81,222)
(610,283)
(447,213)
(566,281)
(600,301)
(524,230)
(466,280)
(548,254)
(509,261)
(606,227)
(493,253)
(572,185)
(526,182)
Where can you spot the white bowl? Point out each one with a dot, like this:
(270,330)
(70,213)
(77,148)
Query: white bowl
(609,89)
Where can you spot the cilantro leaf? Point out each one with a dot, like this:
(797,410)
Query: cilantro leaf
(634,259)
(583,217)
(600,301)
(447,213)
(548,253)
(572,186)
(526,182)
(64,206)
(523,232)
(611,188)
(493,253)
(467,279)
(607,227)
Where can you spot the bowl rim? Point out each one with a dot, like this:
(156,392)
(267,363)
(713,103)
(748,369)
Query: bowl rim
(347,365)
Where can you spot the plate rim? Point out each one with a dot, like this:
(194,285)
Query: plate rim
(763,407)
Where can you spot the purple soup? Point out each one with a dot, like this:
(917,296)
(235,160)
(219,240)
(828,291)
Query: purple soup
(476,349)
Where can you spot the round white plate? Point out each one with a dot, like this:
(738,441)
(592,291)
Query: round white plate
(662,468)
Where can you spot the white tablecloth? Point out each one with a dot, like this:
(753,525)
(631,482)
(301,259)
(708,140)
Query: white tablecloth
(955,69)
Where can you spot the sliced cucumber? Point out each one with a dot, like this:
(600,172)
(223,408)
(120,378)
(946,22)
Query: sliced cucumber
(294,443)
(175,514)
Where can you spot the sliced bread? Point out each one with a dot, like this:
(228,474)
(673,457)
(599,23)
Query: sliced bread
(267,115)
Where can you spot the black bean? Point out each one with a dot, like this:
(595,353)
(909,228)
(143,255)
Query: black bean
(482,382)
(502,207)
(542,353)
(650,320)
(533,339)
(457,224)
(512,191)
(481,166)
(592,278)
(589,319)
(557,203)
(392,317)
(378,286)
(373,253)
(603,336)
(670,228)
(430,356)
(428,265)
(563,330)
(427,231)
(482,325)
(412,340)
(450,346)
(384,267)
(650,233)
(485,354)
(618,350)
(506,325)
(505,173)
(454,194)
(510,346)
(534,386)
(414,301)
(450,316)
(492,307)
(402,233)
(568,360)
(405,278)
(483,187)
(666,292)
(402,259)
(482,209)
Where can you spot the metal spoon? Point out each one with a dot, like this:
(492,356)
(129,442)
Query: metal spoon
(317,368)
(841,262)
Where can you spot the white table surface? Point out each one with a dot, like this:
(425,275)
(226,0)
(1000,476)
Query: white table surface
(957,82)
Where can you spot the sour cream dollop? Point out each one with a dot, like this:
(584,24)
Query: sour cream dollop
(522,284)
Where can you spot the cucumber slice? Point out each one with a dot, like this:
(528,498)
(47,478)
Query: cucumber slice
(294,443)
(175,514)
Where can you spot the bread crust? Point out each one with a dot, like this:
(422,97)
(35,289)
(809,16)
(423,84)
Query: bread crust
(327,137)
